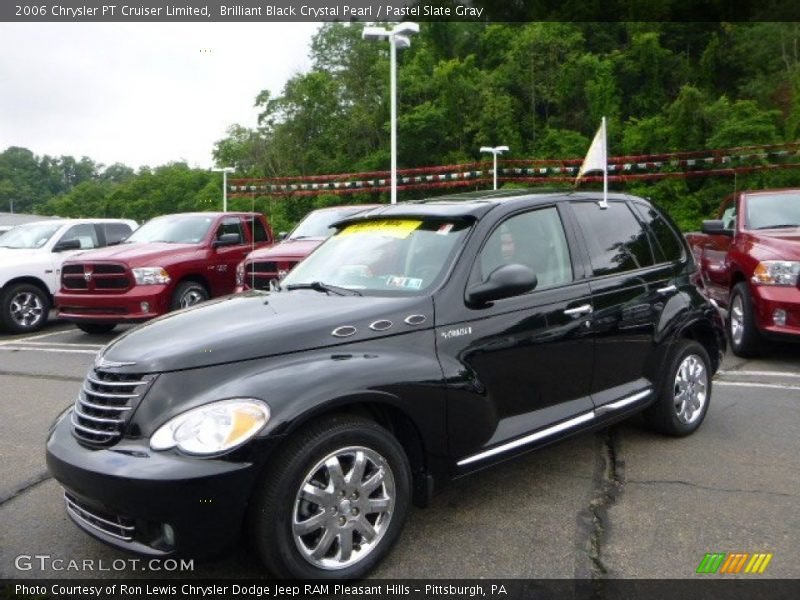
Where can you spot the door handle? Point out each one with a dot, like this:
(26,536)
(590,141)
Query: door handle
(670,289)
(583,309)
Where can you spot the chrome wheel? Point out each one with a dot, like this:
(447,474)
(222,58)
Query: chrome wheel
(737,320)
(691,389)
(343,507)
(192,297)
(26,309)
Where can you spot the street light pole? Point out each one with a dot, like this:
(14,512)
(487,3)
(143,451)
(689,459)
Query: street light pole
(224,171)
(494,151)
(398,37)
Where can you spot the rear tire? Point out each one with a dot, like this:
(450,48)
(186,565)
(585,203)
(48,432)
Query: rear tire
(96,328)
(360,487)
(746,340)
(24,308)
(685,393)
(188,293)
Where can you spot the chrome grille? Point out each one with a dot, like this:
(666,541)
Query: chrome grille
(104,405)
(92,276)
(118,527)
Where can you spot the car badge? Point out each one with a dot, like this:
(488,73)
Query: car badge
(87,275)
(103,363)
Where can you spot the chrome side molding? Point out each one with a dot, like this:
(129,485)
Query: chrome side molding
(557,428)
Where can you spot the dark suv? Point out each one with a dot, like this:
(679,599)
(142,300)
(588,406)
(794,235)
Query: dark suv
(421,342)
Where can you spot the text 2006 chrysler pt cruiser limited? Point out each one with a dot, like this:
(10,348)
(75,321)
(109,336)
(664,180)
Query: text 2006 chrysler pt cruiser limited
(421,342)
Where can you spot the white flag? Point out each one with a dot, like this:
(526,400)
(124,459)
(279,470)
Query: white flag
(596,159)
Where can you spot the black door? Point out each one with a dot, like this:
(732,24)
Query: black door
(523,363)
(629,291)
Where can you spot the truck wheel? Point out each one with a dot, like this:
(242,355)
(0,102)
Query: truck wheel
(188,293)
(744,335)
(685,392)
(23,308)
(333,503)
(95,328)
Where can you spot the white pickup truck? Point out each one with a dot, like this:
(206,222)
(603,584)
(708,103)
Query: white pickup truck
(30,264)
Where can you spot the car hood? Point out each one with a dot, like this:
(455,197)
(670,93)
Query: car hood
(257,324)
(145,254)
(784,244)
(289,249)
(16,258)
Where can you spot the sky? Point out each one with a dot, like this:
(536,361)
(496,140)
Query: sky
(139,94)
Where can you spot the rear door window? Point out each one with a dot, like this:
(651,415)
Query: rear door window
(616,240)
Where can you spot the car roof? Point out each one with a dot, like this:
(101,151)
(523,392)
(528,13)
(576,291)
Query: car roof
(61,222)
(231,213)
(474,205)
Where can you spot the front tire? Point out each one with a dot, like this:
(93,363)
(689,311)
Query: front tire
(96,328)
(334,501)
(746,340)
(685,393)
(24,308)
(188,293)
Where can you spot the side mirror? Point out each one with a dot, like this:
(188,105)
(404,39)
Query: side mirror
(504,282)
(716,227)
(64,245)
(283,235)
(228,239)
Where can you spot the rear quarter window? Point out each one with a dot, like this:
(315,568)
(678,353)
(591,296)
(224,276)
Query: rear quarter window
(668,242)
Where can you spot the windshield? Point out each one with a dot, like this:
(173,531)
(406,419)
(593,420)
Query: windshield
(174,229)
(765,211)
(28,237)
(388,257)
(318,223)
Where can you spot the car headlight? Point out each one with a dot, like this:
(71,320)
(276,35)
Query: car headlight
(240,274)
(212,428)
(151,276)
(776,272)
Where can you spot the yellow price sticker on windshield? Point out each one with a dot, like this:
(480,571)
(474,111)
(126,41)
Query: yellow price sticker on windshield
(397,228)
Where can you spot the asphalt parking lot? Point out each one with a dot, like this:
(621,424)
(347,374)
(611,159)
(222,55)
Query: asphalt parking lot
(620,503)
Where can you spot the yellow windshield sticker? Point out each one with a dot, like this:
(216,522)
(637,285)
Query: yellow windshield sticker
(400,229)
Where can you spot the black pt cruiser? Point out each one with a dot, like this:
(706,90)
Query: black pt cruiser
(422,342)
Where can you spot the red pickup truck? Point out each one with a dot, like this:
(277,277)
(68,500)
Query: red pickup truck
(263,266)
(749,265)
(170,262)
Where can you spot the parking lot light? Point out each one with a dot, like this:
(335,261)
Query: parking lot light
(494,151)
(399,38)
(224,171)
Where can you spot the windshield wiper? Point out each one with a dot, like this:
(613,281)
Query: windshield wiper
(319,286)
(781,226)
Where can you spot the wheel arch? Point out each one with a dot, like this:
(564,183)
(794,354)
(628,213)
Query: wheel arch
(703,332)
(382,409)
(196,278)
(29,279)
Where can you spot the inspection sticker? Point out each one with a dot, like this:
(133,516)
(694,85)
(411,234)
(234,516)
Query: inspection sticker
(397,228)
(411,283)
(445,228)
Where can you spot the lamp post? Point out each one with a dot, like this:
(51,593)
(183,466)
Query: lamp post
(494,151)
(224,171)
(399,37)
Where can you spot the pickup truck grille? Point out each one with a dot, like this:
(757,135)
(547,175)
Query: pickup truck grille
(105,404)
(101,276)
(257,275)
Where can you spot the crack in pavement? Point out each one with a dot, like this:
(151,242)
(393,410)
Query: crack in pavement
(593,521)
(709,488)
(32,482)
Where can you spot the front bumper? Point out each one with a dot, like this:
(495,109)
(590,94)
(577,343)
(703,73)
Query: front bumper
(767,300)
(125,495)
(114,308)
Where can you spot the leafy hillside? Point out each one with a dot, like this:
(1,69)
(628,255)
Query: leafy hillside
(540,88)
